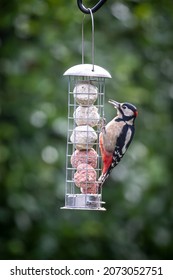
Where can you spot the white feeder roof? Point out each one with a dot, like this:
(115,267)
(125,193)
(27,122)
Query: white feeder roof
(87,70)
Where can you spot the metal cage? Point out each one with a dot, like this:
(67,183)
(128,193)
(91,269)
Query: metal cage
(86,93)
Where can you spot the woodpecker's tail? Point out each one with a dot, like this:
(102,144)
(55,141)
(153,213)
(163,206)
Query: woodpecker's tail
(102,179)
(104,176)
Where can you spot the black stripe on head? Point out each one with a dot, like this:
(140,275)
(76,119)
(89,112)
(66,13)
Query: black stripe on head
(130,106)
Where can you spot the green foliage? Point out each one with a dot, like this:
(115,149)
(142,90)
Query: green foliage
(39,41)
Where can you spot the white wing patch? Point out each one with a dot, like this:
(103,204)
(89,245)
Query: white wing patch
(128,137)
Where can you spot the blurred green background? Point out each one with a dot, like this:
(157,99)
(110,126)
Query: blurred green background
(40,39)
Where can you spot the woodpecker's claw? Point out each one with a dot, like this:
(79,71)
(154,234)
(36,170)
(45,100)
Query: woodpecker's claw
(103,124)
(103,121)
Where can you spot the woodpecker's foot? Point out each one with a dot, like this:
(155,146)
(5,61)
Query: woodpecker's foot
(103,124)
(100,123)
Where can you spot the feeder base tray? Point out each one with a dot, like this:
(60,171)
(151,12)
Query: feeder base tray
(84,202)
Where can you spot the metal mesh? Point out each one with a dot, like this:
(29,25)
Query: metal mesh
(81,195)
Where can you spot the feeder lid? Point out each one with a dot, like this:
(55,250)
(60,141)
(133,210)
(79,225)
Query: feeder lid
(87,70)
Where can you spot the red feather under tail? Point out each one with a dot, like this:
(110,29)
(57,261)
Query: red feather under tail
(107,160)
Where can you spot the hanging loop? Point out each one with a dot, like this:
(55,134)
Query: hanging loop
(94,9)
(92,22)
(92,46)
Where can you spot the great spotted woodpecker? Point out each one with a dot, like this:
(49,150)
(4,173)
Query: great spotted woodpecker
(116,137)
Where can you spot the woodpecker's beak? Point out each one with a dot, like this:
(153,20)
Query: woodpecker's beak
(115,103)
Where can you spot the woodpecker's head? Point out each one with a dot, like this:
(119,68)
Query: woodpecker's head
(126,111)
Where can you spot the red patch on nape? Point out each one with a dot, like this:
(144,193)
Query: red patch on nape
(136,113)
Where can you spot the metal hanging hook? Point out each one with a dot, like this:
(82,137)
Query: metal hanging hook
(94,9)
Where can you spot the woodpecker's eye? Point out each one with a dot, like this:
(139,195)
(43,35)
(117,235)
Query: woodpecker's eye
(124,106)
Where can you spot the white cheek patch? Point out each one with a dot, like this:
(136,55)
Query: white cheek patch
(128,112)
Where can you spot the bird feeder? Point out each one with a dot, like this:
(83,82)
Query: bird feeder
(86,94)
